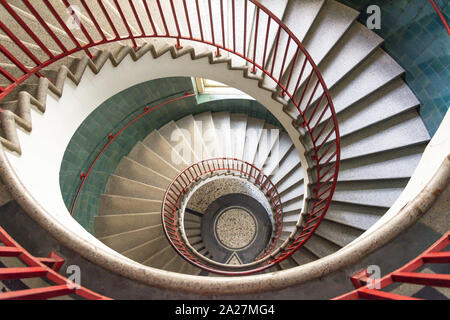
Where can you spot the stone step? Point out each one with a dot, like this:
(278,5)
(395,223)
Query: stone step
(112,205)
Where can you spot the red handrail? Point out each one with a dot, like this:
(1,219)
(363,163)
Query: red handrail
(406,274)
(316,111)
(441,16)
(113,137)
(61,286)
(188,177)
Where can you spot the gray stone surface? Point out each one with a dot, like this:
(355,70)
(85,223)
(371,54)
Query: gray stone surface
(236,228)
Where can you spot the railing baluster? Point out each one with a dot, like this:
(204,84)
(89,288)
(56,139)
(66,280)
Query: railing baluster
(305,89)
(292,70)
(149,15)
(163,18)
(19,43)
(274,60)
(45,25)
(126,24)
(136,16)
(297,85)
(108,18)
(83,29)
(256,40)
(245,29)
(177,25)
(19,20)
(188,21)
(13,59)
(223,24)
(280,77)
(233,9)
(211,22)
(199,20)
(265,43)
(7,75)
(65,28)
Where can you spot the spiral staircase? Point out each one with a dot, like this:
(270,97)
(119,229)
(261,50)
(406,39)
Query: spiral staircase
(336,74)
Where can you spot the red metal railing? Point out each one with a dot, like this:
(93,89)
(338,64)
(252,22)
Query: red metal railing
(170,213)
(441,16)
(244,29)
(114,136)
(435,254)
(37,268)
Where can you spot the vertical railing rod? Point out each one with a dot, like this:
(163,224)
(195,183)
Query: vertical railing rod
(13,59)
(256,40)
(274,60)
(199,20)
(211,22)
(188,21)
(45,25)
(22,23)
(65,28)
(292,70)
(163,18)
(19,43)
(263,65)
(83,29)
(177,25)
(245,29)
(284,59)
(6,74)
(136,16)
(300,76)
(149,15)
(223,23)
(233,9)
(94,20)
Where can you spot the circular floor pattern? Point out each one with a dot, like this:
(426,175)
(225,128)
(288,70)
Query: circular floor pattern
(235,228)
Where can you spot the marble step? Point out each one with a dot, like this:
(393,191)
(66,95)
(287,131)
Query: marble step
(113,224)
(130,239)
(147,249)
(150,159)
(119,186)
(132,170)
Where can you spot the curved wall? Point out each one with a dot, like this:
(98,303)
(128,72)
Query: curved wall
(416,38)
(92,135)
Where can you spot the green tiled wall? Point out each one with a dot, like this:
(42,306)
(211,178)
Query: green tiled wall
(111,116)
(416,38)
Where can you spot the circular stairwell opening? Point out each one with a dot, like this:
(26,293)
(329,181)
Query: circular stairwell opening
(228,220)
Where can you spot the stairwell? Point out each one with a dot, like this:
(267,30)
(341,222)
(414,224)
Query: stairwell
(379,143)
